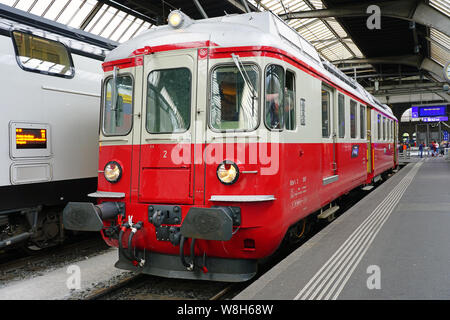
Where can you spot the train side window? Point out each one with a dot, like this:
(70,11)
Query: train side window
(341,115)
(352,119)
(384,128)
(117,120)
(388,129)
(289,102)
(169,100)
(379,126)
(362,119)
(274,97)
(392,130)
(326,100)
(37,54)
(234,100)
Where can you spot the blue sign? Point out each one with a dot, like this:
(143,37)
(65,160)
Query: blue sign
(432,111)
(434,119)
(445,135)
(428,111)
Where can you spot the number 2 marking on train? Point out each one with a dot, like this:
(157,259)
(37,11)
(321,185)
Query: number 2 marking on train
(165,154)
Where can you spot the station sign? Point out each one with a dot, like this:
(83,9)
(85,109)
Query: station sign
(434,119)
(429,111)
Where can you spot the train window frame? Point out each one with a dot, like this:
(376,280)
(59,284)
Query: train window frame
(265,94)
(103,101)
(362,121)
(341,117)
(354,121)
(209,88)
(190,100)
(384,128)
(294,90)
(48,73)
(329,117)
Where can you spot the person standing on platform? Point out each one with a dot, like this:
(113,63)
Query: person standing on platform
(421,145)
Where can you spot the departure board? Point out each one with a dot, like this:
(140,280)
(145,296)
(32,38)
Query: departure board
(27,138)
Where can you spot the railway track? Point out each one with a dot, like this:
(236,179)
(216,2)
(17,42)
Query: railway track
(145,287)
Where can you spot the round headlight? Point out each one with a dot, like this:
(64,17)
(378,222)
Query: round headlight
(228,172)
(113,172)
(175,19)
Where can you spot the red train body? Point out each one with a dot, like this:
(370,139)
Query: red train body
(168,210)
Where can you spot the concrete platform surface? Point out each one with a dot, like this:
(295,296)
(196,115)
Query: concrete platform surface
(62,282)
(393,244)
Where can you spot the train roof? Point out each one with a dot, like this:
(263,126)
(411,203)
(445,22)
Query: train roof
(250,29)
(77,40)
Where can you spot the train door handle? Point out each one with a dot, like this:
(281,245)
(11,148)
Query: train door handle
(301,153)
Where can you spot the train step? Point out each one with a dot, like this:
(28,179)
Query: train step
(377,178)
(367,188)
(328,214)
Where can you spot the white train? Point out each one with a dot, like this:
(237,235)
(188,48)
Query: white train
(50,79)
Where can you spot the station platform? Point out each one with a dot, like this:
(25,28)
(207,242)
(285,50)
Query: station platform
(393,245)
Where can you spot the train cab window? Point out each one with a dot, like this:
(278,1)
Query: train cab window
(341,115)
(42,55)
(326,101)
(118,106)
(362,119)
(169,100)
(234,99)
(289,102)
(379,126)
(352,119)
(274,97)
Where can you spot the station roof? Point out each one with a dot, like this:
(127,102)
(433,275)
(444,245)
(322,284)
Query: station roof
(412,45)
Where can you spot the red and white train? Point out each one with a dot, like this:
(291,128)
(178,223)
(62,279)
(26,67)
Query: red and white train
(221,137)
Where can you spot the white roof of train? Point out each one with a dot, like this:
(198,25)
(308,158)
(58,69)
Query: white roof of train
(250,29)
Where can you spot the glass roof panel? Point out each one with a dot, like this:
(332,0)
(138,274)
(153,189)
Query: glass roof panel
(55,9)
(39,8)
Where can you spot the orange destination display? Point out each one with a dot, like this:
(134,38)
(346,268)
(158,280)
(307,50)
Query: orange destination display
(31,138)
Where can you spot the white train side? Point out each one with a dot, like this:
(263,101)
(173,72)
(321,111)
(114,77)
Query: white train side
(50,99)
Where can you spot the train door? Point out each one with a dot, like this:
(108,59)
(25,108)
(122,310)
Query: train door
(168,120)
(329,137)
(369,141)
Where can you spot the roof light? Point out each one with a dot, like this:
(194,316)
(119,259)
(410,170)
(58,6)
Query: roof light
(176,19)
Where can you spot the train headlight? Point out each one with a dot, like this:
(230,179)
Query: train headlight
(175,19)
(113,172)
(228,172)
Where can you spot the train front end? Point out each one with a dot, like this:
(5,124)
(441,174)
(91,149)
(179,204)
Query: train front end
(187,170)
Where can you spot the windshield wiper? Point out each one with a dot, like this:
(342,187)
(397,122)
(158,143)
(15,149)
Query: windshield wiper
(237,61)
